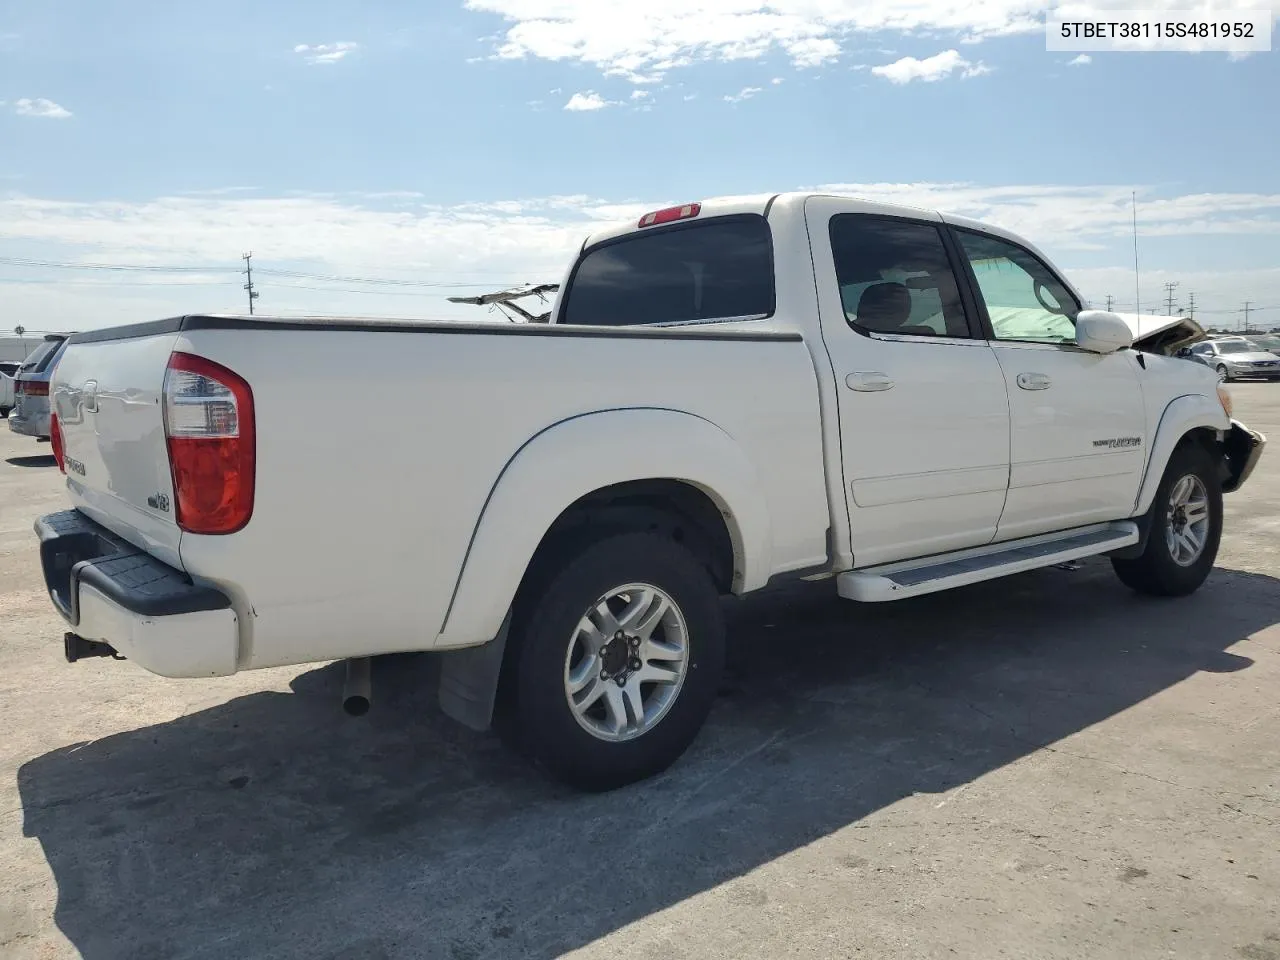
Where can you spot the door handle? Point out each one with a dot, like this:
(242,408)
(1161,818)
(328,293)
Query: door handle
(1034,381)
(868,381)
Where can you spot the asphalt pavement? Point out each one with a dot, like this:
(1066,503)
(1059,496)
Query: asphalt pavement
(1042,767)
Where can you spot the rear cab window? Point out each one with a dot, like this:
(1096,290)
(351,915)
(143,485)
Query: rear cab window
(712,270)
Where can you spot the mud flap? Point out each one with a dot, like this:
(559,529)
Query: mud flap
(469,680)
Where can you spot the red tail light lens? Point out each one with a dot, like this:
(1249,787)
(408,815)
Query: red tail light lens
(208,419)
(33,388)
(55,441)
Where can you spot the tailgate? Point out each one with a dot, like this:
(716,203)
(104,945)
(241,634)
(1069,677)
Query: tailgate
(107,395)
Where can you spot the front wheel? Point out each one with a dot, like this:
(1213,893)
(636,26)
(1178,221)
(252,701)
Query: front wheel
(1186,527)
(1224,374)
(619,656)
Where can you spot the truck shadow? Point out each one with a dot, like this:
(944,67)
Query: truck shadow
(271,825)
(37,460)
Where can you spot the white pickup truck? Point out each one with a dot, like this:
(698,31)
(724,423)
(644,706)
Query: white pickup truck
(726,394)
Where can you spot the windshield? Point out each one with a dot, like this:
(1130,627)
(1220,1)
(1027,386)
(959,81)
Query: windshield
(1238,346)
(1268,343)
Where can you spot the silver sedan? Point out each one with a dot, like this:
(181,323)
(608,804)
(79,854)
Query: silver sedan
(1235,357)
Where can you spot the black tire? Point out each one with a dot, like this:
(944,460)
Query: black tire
(1224,374)
(538,715)
(1156,572)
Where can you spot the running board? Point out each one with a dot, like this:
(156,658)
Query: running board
(911,578)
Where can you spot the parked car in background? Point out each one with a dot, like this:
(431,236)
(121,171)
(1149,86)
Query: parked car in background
(8,370)
(1268,342)
(1234,357)
(30,413)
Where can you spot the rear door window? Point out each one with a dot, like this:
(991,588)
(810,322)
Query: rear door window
(895,277)
(719,269)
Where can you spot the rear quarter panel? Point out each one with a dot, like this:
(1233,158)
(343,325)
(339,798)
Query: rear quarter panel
(364,510)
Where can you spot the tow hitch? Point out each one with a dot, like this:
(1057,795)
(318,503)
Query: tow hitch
(78,648)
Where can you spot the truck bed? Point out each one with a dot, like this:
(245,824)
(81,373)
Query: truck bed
(366,507)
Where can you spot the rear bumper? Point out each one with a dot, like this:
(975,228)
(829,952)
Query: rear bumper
(1243,449)
(111,592)
(31,423)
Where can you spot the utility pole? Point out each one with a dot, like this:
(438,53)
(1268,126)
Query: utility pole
(1247,304)
(248,272)
(1191,310)
(1109,299)
(1137,296)
(1168,290)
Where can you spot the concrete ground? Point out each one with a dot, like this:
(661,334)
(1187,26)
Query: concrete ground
(1043,767)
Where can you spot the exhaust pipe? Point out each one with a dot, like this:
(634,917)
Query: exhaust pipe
(357,690)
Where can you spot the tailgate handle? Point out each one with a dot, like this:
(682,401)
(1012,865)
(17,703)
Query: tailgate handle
(91,396)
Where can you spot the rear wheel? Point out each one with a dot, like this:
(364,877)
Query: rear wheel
(1186,527)
(1224,374)
(618,658)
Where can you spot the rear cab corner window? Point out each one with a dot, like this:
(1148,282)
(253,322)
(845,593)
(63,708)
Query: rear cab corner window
(895,277)
(1024,299)
(694,272)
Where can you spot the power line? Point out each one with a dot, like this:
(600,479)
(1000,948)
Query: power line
(275,271)
(381,281)
(146,267)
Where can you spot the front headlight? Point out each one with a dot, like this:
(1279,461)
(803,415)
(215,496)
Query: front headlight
(1224,398)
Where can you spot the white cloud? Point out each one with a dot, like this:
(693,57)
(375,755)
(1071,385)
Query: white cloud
(640,94)
(1084,217)
(40,107)
(746,93)
(584,102)
(325,52)
(1080,61)
(495,243)
(937,67)
(776,80)
(645,41)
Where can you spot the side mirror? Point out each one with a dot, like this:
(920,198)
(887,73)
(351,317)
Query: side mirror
(1101,332)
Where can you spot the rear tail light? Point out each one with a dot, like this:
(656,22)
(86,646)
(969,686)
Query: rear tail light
(670,214)
(208,421)
(55,441)
(33,388)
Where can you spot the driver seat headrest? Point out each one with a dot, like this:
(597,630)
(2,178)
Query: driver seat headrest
(884,306)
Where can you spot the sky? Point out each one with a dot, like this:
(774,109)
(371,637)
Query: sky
(377,158)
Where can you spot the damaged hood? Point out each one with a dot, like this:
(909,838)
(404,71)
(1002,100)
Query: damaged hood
(1153,333)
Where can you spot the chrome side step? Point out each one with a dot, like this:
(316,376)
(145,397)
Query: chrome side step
(912,578)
